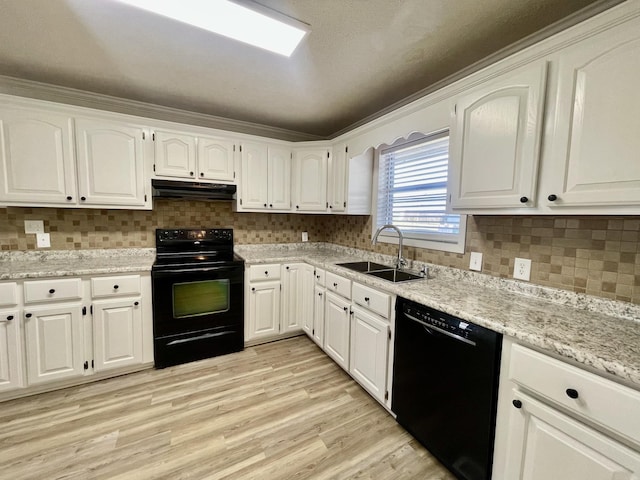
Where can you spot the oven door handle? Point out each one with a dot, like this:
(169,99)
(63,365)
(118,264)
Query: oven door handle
(168,273)
(429,328)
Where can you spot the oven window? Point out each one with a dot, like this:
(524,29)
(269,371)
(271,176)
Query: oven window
(200,298)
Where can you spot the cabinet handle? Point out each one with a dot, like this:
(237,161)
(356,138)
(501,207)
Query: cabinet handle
(115,287)
(366,299)
(524,199)
(52,291)
(136,303)
(552,197)
(69,198)
(572,393)
(28,315)
(345,308)
(10,317)
(83,198)
(517,403)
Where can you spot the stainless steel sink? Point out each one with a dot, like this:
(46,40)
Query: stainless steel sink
(394,275)
(363,267)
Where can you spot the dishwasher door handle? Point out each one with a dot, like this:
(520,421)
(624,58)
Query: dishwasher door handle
(439,330)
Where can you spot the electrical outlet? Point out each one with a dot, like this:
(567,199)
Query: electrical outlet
(475,263)
(522,269)
(33,226)
(305,236)
(43,240)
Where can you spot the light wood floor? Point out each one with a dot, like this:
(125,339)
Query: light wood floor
(282,410)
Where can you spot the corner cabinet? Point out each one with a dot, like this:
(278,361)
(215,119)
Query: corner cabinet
(595,144)
(495,142)
(350,182)
(309,184)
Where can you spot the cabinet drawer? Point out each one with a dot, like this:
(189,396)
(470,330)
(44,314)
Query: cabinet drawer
(112,286)
(320,276)
(371,299)
(8,294)
(602,401)
(338,284)
(264,272)
(51,290)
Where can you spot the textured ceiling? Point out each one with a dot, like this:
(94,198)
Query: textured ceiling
(360,57)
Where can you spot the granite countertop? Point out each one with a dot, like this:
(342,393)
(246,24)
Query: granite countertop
(63,263)
(570,325)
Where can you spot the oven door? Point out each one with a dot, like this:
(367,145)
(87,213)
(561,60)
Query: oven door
(194,300)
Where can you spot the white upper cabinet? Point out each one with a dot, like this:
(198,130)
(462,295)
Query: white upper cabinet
(596,143)
(110,163)
(310,168)
(495,142)
(337,179)
(265,177)
(202,158)
(175,154)
(37,164)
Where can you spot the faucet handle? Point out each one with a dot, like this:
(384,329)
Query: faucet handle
(401,263)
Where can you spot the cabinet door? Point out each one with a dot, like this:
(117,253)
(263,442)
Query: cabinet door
(54,343)
(37,164)
(279,178)
(264,309)
(596,146)
(545,444)
(292,299)
(216,159)
(175,154)
(254,160)
(117,333)
(110,164)
(306,293)
(310,181)
(495,142)
(10,351)
(336,329)
(369,351)
(317,334)
(337,185)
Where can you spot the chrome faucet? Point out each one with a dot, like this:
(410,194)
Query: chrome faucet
(400,261)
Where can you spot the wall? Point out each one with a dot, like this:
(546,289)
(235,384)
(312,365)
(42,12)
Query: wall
(87,228)
(596,255)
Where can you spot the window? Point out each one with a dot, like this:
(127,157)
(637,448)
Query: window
(412,194)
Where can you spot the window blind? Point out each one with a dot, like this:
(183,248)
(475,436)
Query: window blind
(412,189)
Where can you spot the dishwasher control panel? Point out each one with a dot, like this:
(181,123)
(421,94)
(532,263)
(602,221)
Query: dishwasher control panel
(441,321)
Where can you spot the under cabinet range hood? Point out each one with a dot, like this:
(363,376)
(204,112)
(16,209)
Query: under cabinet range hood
(192,190)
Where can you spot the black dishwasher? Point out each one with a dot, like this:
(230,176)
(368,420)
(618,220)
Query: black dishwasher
(445,386)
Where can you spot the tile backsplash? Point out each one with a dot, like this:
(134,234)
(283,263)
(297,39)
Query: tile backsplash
(597,255)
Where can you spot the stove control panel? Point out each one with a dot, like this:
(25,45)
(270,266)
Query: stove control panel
(206,236)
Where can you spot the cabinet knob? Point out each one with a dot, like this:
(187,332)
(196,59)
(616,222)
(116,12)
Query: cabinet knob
(330,206)
(28,315)
(297,206)
(517,403)
(191,173)
(253,289)
(345,308)
(572,393)
(201,174)
(271,205)
(136,303)
(552,197)
(335,285)
(366,299)
(524,199)
(266,273)
(52,291)
(265,204)
(10,317)
(318,277)
(319,294)
(287,268)
(83,198)
(115,287)
(69,198)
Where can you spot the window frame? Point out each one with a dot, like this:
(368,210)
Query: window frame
(413,240)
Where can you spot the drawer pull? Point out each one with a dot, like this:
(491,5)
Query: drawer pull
(517,403)
(52,291)
(266,273)
(572,393)
(552,197)
(366,299)
(28,315)
(10,317)
(69,198)
(115,287)
(524,199)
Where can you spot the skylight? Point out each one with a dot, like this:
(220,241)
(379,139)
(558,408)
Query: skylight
(257,25)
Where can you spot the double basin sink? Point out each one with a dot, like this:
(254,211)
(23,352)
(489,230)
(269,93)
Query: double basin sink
(381,271)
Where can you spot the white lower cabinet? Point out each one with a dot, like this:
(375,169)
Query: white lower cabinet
(336,329)
(264,310)
(54,342)
(558,422)
(11,376)
(317,332)
(297,289)
(117,333)
(369,351)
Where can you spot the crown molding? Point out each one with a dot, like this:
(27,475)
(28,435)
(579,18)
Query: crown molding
(80,98)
